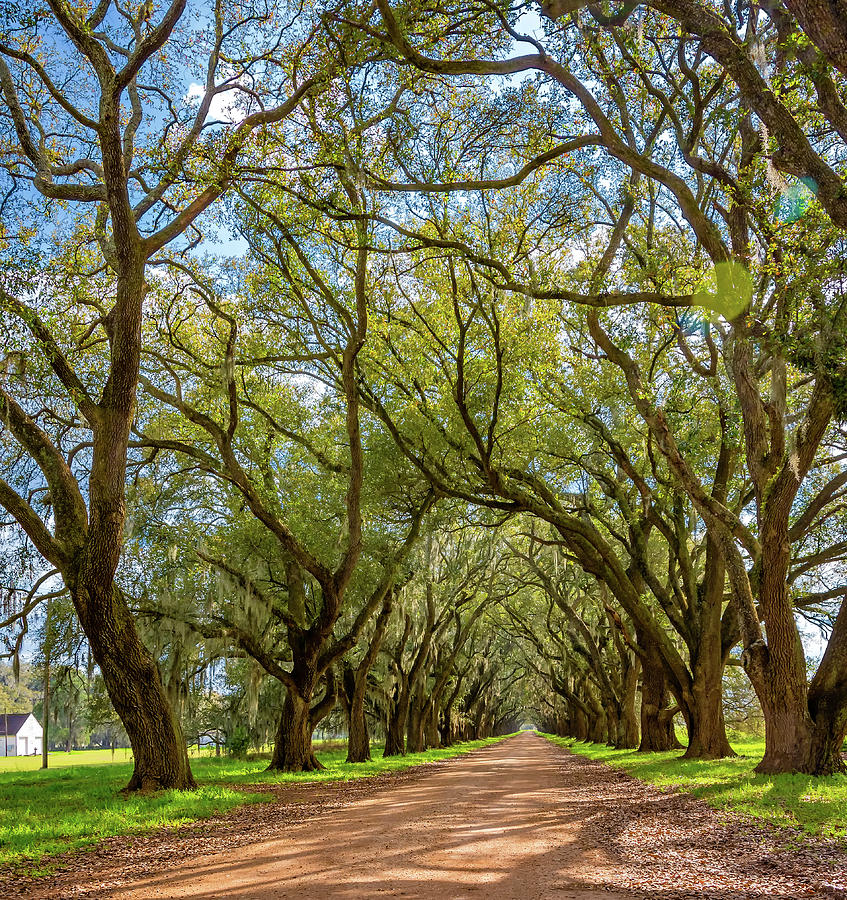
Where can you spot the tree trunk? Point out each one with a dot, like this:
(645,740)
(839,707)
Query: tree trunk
(804,726)
(597,731)
(788,736)
(130,673)
(828,702)
(45,706)
(778,669)
(706,726)
(629,720)
(135,687)
(579,723)
(415,730)
(657,730)
(613,721)
(395,733)
(395,739)
(445,725)
(775,661)
(485,725)
(358,740)
(293,746)
(830,727)
(432,737)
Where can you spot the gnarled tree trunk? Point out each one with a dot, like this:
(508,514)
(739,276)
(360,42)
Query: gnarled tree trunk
(395,732)
(657,729)
(778,668)
(415,725)
(828,702)
(293,746)
(706,726)
(628,722)
(134,685)
(358,740)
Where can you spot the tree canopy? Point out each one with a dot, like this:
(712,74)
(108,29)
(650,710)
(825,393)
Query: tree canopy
(428,368)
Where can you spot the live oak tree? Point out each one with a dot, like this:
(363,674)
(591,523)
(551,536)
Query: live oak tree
(99,132)
(225,377)
(712,69)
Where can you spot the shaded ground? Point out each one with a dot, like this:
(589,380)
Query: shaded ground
(520,819)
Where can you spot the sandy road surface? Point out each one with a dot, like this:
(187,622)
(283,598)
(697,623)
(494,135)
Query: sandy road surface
(521,819)
(487,825)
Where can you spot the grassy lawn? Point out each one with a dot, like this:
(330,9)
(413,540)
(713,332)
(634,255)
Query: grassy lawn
(76,802)
(59,759)
(817,806)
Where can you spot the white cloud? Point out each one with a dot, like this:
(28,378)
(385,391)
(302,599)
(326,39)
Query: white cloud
(224,107)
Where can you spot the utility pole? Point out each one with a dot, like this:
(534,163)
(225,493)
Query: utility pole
(45,706)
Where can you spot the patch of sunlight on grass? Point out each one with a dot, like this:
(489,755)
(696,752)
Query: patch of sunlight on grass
(252,771)
(816,806)
(59,759)
(61,810)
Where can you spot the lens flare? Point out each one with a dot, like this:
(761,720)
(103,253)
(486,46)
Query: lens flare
(727,290)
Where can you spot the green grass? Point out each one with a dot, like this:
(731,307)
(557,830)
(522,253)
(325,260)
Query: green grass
(76,803)
(816,806)
(252,771)
(61,759)
(45,813)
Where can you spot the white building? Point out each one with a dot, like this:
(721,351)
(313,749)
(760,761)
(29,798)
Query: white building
(20,734)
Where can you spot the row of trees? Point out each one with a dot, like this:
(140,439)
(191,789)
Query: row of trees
(502,350)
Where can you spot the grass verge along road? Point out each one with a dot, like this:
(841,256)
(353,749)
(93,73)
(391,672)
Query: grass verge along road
(817,806)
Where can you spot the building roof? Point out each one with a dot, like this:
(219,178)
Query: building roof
(12,723)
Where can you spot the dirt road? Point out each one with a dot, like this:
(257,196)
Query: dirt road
(521,819)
